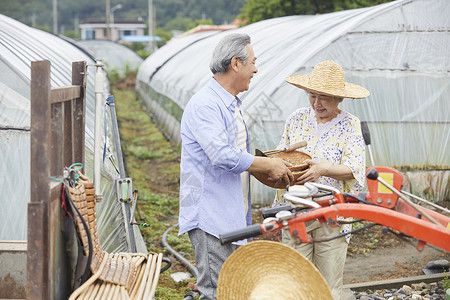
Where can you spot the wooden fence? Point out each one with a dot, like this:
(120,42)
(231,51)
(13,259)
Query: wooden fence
(57,140)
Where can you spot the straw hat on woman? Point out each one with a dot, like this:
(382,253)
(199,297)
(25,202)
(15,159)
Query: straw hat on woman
(336,146)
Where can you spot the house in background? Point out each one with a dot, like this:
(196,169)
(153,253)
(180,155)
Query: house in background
(97,30)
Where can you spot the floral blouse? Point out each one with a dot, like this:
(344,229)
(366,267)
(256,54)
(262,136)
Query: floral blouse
(338,142)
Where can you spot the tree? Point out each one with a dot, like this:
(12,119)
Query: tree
(178,23)
(164,35)
(195,23)
(258,10)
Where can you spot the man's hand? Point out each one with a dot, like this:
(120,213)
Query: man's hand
(280,171)
(276,169)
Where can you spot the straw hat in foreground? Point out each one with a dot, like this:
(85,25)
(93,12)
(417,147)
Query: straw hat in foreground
(328,78)
(266,270)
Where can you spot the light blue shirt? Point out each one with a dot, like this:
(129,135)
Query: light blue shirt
(211,163)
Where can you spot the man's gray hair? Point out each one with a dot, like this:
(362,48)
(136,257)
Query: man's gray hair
(230,46)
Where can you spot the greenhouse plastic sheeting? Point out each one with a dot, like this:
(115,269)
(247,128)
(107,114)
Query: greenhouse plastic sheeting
(19,46)
(399,51)
(115,56)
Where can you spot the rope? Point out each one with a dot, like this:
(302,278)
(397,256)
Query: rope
(71,168)
(77,174)
(56,179)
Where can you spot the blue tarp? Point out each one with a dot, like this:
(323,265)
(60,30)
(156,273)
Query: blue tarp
(139,38)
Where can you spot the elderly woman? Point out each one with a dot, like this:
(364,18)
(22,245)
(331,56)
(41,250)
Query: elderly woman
(336,146)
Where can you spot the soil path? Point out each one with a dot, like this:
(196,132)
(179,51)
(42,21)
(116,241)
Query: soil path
(401,260)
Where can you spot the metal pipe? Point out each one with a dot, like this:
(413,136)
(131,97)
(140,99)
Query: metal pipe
(416,207)
(108,19)
(129,228)
(426,201)
(55,17)
(135,196)
(116,135)
(129,219)
(150,25)
(185,262)
(98,87)
(112,29)
(326,188)
(371,155)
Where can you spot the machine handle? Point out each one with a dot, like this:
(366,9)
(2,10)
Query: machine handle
(365,132)
(271,212)
(372,174)
(237,235)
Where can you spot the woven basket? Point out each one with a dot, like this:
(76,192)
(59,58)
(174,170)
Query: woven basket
(296,158)
(113,275)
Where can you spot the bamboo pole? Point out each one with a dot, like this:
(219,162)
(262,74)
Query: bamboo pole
(101,291)
(94,291)
(140,274)
(148,285)
(144,279)
(107,291)
(86,295)
(155,277)
(115,292)
(124,293)
(88,282)
(134,277)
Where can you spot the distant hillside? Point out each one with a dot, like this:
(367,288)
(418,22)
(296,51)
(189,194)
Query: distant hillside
(71,13)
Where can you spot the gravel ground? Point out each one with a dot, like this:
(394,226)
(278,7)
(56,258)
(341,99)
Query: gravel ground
(417,291)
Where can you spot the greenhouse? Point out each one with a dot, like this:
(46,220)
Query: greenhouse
(115,56)
(399,51)
(19,46)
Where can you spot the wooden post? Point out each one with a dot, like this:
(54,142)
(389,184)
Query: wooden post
(79,112)
(68,144)
(38,237)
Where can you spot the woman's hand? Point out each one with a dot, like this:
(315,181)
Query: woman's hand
(316,170)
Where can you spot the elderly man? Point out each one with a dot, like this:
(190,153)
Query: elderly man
(214,154)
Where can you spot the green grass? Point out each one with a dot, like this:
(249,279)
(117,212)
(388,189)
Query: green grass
(151,162)
(446,281)
(141,152)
